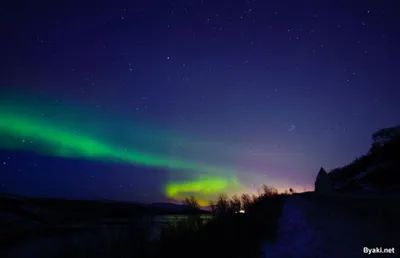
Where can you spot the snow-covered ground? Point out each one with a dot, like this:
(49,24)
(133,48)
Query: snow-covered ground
(308,229)
(359,178)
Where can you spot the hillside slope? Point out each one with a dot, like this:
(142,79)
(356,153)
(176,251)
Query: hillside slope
(377,171)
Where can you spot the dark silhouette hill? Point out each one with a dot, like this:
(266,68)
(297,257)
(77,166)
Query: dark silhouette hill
(376,171)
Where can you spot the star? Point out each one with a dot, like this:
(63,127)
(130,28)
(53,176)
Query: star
(246,78)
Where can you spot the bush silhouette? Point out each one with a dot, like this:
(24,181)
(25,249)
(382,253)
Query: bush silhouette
(222,206)
(230,233)
(247,200)
(213,207)
(235,204)
(192,205)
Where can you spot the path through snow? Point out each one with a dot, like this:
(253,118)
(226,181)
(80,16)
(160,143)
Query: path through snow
(309,230)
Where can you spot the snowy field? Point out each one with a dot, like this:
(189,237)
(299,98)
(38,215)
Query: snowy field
(309,230)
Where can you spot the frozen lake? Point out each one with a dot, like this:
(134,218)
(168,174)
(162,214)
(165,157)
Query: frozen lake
(97,239)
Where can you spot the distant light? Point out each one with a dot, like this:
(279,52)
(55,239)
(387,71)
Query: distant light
(241,211)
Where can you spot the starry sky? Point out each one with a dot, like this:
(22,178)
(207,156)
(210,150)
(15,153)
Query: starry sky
(265,91)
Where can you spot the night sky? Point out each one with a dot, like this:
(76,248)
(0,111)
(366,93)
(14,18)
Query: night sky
(264,91)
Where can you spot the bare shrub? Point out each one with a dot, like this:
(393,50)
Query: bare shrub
(235,204)
(247,200)
(222,204)
(191,203)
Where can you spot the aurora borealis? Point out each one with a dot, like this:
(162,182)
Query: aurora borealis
(21,131)
(152,101)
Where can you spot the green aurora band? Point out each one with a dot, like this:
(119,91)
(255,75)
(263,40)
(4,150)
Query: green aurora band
(20,129)
(204,189)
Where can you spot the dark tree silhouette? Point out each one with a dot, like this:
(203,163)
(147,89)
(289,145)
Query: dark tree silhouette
(235,204)
(213,207)
(384,136)
(191,203)
(246,201)
(223,204)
